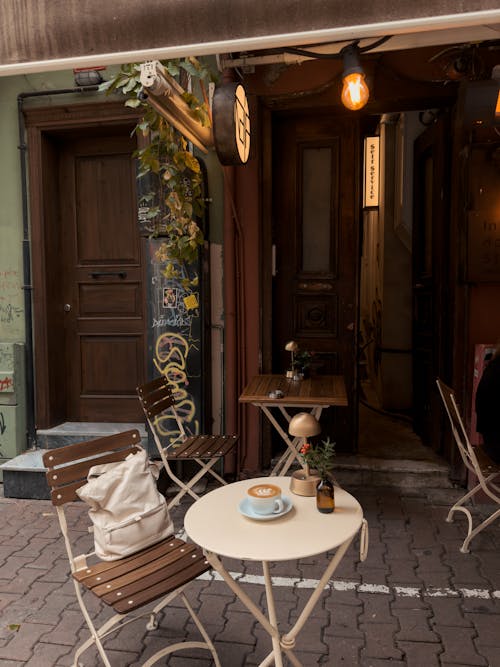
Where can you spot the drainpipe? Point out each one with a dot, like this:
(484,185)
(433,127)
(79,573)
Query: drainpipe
(230,307)
(230,303)
(27,287)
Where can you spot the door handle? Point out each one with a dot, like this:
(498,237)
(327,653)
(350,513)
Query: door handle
(108,274)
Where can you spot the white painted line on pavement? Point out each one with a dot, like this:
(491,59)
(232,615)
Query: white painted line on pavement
(339,585)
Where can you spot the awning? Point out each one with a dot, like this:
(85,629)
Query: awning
(49,35)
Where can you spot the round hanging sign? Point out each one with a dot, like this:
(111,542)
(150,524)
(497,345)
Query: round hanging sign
(231,124)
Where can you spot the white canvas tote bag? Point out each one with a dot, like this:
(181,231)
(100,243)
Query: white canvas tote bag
(127,510)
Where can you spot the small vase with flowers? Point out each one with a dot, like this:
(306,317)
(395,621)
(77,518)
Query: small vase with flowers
(319,458)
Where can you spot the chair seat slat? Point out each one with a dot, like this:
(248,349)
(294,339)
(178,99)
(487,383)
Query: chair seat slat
(87,575)
(159,590)
(203,447)
(160,570)
(134,571)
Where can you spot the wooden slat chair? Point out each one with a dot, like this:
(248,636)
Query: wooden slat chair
(159,572)
(159,405)
(477,462)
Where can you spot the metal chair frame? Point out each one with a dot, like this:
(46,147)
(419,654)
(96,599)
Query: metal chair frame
(159,404)
(158,573)
(477,463)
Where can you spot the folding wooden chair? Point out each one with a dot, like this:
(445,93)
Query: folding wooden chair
(477,462)
(159,405)
(159,572)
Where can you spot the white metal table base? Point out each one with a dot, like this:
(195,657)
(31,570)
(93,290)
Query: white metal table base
(285,643)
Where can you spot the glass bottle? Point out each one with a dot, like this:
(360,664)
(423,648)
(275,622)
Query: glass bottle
(325,496)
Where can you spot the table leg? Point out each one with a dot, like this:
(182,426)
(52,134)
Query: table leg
(271,609)
(269,624)
(288,639)
(286,642)
(290,452)
(215,562)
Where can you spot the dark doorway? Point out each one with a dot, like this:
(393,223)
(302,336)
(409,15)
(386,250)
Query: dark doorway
(315,228)
(431,303)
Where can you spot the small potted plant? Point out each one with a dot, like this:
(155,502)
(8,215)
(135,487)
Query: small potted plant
(302,362)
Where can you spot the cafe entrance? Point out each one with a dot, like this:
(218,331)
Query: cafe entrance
(315,252)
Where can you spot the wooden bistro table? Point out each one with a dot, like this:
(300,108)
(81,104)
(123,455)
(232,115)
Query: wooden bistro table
(312,394)
(217,523)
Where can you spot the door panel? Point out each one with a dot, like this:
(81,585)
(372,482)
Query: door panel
(316,240)
(103,293)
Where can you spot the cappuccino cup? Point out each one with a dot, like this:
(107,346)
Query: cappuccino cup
(265,499)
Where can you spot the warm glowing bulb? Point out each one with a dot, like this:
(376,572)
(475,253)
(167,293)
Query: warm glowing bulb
(355,92)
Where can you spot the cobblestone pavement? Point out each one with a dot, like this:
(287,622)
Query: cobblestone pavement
(415,601)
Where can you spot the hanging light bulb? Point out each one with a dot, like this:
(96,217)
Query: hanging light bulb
(355,91)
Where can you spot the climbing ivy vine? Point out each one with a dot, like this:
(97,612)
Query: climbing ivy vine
(175,200)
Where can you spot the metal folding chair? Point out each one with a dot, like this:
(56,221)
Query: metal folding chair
(159,572)
(482,468)
(174,445)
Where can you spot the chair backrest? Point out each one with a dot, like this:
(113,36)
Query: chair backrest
(458,429)
(158,403)
(67,467)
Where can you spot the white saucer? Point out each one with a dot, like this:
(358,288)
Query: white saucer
(246,509)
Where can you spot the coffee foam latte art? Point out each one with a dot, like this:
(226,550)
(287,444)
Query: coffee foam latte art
(264,491)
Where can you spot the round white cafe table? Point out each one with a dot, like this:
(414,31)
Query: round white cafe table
(216,524)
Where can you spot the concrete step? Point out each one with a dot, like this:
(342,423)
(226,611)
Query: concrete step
(24,475)
(70,432)
(401,473)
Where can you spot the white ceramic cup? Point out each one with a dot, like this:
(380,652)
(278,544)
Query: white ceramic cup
(265,499)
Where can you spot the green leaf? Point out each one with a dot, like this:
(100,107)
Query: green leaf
(172,68)
(133,102)
(106,85)
(192,163)
(176,183)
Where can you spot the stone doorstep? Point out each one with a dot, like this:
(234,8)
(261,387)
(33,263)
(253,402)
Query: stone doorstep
(68,433)
(403,473)
(24,475)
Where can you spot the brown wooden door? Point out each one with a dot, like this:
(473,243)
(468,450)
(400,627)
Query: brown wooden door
(102,279)
(316,241)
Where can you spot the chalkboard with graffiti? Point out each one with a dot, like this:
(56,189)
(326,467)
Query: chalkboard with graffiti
(175,340)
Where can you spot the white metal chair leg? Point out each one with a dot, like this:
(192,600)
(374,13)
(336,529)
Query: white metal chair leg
(476,462)
(465,546)
(202,630)
(205,467)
